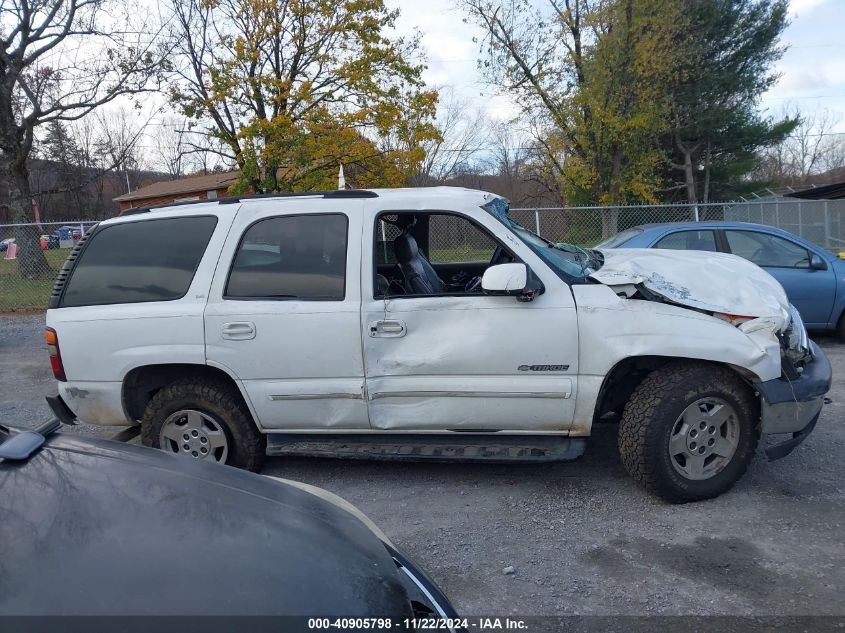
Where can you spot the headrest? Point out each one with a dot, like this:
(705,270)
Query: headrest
(405,247)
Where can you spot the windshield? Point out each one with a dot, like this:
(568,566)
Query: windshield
(567,260)
(618,239)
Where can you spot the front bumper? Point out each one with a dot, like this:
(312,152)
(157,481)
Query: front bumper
(794,406)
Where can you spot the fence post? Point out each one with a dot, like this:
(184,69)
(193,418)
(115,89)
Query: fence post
(537,221)
(800,220)
(828,244)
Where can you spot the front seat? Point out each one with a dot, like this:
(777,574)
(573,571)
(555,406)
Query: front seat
(420,278)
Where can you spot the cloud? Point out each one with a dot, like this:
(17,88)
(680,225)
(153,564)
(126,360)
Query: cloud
(797,79)
(803,7)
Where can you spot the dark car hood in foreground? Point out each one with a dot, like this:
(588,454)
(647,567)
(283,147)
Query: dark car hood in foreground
(95,527)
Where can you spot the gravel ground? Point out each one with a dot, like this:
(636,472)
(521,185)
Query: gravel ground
(581,537)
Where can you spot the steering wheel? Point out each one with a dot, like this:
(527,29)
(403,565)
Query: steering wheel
(473,285)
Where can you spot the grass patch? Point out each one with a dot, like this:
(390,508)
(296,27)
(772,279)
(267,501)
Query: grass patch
(19,293)
(464,254)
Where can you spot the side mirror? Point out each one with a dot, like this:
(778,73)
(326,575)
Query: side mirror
(514,280)
(817,263)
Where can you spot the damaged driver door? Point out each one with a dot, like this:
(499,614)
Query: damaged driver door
(457,359)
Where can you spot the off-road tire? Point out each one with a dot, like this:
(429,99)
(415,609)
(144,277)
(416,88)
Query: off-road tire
(247,443)
(651,413)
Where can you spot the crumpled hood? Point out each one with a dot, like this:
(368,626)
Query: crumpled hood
(715,282)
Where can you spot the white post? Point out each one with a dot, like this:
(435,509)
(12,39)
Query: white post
(537,221)
(341,179)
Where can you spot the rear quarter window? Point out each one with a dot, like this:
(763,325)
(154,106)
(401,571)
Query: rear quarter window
(137,262)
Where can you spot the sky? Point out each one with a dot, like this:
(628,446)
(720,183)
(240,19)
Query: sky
(812,70)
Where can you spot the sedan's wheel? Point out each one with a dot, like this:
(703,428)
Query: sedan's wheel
(196,434)
(689,431)
(704,438)
(204,419)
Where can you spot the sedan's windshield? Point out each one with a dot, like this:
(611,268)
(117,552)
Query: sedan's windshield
(619,238)
(567,260)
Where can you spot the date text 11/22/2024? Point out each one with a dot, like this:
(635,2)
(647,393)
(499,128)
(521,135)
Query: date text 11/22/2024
(419,624)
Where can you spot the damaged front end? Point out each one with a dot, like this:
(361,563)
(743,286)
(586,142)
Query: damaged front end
(740,293)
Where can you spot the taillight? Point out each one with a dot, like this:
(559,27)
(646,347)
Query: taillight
(52,340)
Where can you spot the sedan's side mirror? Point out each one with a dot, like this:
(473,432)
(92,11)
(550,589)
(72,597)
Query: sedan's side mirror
(515,280)
(817,263)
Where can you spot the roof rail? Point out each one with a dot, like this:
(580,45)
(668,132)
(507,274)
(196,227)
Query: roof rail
(334,193)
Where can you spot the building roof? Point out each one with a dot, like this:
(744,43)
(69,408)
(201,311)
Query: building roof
(835,191)
(192,184)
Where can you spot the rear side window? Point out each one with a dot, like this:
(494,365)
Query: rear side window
(291,257)
(689,241)
(137,262)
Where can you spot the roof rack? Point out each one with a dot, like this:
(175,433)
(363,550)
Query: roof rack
(335,193)
(332,194)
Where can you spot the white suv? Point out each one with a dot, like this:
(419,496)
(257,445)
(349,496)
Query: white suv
(425,323)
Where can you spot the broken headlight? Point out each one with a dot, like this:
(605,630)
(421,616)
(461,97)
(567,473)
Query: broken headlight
(795,343)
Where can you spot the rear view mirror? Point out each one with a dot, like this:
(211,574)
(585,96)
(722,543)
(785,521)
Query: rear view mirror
(817,263)
(515,280)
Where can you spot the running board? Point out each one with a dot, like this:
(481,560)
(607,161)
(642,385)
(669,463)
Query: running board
(429,447)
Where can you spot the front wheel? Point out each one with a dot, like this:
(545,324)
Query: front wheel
(203,420)
(688,432)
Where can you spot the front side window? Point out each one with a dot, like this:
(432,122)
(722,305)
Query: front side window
(137,262)
(453,238)
(689,241)
(432,253)
(767,250)
(291,257)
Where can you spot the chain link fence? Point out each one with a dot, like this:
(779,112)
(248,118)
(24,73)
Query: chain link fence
(820,221)
(26,279)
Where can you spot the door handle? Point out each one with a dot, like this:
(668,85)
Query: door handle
(239,331)
(388,328)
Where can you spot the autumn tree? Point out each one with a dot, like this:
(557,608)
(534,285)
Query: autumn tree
(592,76)
(59,60)
(292,89)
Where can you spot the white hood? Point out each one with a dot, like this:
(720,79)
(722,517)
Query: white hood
(715,282)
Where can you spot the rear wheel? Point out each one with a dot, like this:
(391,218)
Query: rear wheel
(203,420)
(840,328)
(688,432)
